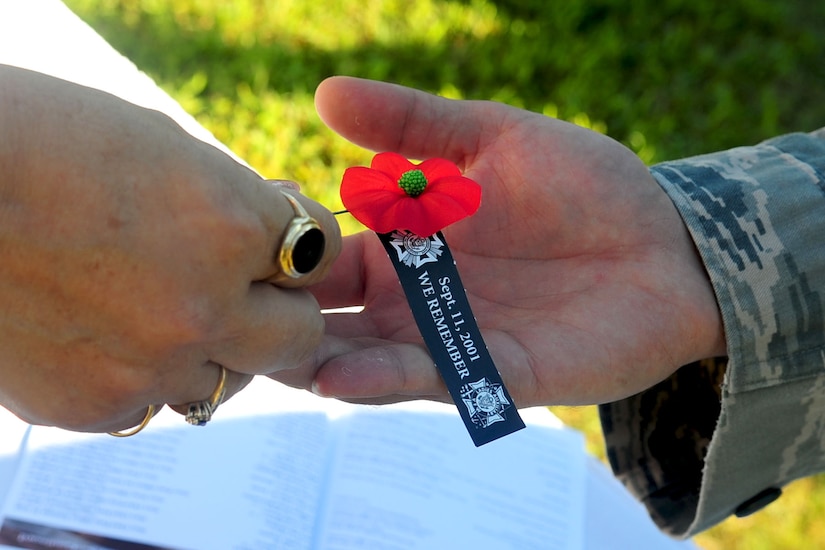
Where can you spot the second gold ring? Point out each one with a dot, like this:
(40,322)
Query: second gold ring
(200,412)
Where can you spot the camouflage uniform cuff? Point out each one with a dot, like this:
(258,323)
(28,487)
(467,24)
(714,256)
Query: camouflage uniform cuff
(757,216)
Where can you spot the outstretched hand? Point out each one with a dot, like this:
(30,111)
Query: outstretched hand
(583,279)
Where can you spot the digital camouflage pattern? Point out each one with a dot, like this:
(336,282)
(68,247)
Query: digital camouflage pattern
(720,432)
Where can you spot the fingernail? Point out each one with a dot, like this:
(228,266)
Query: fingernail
(316,390)
(286,183)
(346,371)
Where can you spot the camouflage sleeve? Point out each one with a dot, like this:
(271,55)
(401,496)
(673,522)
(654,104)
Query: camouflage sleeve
(722,437)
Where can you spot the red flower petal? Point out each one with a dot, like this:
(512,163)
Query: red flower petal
(438,168)
(460,189)
(368,194)
(391,164)
(359,179)
(373,196)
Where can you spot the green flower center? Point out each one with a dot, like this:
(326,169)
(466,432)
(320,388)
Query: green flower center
(413,182)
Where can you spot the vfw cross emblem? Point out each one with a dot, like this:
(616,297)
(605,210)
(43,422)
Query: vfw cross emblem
(485,402)
(415,251)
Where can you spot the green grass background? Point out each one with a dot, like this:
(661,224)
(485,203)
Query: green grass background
(669,78)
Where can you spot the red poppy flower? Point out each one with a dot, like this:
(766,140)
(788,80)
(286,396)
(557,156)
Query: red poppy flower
(393,193)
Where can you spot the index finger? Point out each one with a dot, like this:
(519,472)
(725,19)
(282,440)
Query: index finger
(307,240)
(286,239)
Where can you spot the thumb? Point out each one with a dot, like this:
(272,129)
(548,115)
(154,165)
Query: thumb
(389,117)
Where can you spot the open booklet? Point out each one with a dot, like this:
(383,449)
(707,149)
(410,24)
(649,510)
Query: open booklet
(399,477)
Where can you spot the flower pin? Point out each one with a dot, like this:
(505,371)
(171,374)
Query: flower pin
(408,205)
(395,194)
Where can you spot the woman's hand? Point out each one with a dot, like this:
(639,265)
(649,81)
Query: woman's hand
(136,259)
(580,272)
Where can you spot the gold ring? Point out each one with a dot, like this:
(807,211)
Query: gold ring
(150,412)
(303,244)
(200,412)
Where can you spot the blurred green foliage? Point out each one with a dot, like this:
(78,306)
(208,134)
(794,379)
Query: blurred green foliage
(669,78)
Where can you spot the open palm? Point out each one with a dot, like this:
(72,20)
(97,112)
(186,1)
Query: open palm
(582,276)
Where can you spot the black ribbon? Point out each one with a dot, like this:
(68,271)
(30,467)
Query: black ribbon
(430,280)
